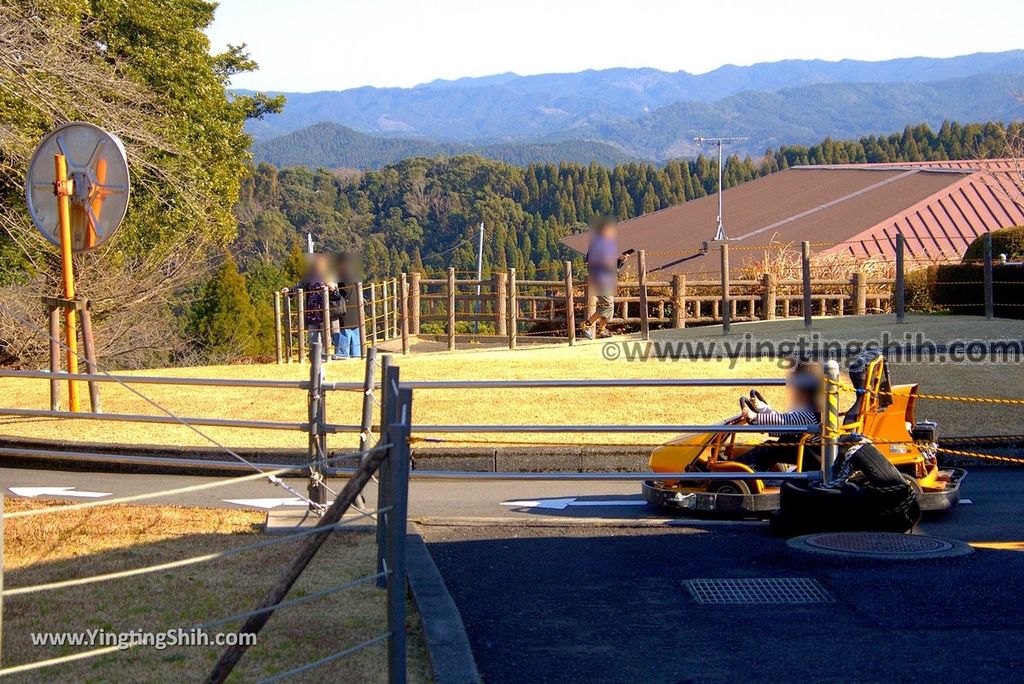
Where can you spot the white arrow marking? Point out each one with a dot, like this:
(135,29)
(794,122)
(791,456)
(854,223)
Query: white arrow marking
(267,503)
(560,504)
(32,492)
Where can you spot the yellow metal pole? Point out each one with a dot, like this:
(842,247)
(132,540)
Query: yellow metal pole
(62,188)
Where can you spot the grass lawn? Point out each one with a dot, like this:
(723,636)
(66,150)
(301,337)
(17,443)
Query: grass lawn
(543,406)
(110,538)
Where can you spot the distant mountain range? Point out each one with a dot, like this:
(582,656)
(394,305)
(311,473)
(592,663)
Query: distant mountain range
(614,115)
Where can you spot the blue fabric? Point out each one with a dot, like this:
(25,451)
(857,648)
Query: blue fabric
(347,343)
(602,261)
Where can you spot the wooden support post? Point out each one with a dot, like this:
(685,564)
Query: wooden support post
(373,314)
(769,296)
(54,357)
(726,308)
(500,301)
(570,305)
(396,305)
(414,303)
(404,311)
(679,301)
(89,347)
(989,280)
(361,307)
(513,309)
(859,285)
(805,266)
(385,311)
(301,323)
(325,322)
(900,282)
(641,272)
(277,328)
(288,323)
(450,291)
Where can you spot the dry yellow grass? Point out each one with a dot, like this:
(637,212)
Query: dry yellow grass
(111,538)
(542,406)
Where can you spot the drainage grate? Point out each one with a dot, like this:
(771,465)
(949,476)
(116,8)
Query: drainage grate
(885,545)
(745,592)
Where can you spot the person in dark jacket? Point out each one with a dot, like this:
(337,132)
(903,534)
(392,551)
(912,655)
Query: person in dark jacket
(347,343)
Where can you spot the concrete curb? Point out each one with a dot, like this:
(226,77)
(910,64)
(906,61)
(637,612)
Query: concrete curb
(451,658)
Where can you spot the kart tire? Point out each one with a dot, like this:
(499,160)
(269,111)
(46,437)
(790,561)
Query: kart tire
(730,487)
(876,467)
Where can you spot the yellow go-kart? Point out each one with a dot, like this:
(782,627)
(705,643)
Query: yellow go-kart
(882,412)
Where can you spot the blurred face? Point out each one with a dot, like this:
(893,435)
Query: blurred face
(607,231)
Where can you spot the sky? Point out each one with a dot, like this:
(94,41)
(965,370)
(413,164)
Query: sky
(308,45)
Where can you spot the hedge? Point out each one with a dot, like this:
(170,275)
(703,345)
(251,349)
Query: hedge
(960,289)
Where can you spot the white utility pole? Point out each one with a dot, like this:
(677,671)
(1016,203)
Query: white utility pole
(309,243)
(479,276)
(720,232)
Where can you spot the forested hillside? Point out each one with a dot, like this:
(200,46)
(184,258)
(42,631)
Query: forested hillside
(423,213)
(333,146)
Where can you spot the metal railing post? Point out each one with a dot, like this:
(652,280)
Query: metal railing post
(89,349)
(830,424)
(317,436)
(277,327)
(641,271)
(389,383)
(399,428)
(900,282)
(989,284)
(325,324)
(805,266)
(366,424)
(726,305)
(414,302)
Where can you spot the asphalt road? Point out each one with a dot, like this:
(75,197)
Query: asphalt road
(578,581)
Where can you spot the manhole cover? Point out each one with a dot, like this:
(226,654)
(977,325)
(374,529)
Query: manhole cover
(880,545)
(745,592)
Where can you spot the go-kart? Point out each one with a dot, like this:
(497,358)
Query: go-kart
(882,412)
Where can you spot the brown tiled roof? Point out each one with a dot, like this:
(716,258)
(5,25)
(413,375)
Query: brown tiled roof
(939,209)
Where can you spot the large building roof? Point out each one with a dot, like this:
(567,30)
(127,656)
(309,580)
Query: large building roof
(940,207)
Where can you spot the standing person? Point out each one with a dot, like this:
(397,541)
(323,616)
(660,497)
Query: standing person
(347,344)
(603,264)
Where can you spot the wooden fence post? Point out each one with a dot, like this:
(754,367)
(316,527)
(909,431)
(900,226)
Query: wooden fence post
(277,328)
(859,283)
(405,313)
(679,301)
(288,327)
(414,302)
(396,306)
(500,302)
(451,309)
(989,280)
(361,306)
(769,296)
(385,331)
(570,305)
(805,265)
(641,271)
(373,314)
(55,334)
(89,348)
(726,307)
(301,324)
(900,282)
(513,309)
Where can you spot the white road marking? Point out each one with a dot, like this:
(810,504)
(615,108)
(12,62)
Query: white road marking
(966,502)
(267,503)
(560,504)
(32,492)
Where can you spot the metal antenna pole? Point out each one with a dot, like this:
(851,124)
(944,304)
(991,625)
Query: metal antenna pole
(479,275)
(720,142)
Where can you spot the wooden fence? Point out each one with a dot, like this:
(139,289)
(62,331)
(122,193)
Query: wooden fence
(507,307)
